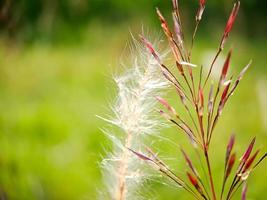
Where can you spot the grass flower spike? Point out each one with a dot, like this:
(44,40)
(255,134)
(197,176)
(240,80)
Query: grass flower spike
(133,110)
(139,91)
(204,112)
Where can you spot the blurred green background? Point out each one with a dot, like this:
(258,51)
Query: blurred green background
(57,58)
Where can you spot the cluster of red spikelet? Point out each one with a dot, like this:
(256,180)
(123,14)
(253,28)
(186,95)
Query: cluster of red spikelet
(208,107)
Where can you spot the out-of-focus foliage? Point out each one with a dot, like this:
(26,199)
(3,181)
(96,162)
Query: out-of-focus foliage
(30,19)
(56,62)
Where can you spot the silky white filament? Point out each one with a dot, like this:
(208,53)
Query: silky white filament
(134,115)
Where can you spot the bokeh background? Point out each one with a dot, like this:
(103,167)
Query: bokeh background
(57,58)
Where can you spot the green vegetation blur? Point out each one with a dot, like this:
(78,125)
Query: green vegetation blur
(57,58)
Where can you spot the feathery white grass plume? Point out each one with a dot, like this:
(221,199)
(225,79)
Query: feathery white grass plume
(134,116)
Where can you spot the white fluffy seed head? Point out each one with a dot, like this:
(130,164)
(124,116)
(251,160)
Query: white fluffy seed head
(134,114)
(137,88)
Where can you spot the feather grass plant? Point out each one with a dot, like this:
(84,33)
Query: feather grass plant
(133,115)
(204,103)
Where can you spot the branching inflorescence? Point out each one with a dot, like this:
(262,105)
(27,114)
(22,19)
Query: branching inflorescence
(204,110)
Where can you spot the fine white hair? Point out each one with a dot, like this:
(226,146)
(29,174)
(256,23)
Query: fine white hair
(135,118)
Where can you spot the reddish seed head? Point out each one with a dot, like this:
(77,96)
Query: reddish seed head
(174,4)
(230,164)
(181,95)
(200,10)
(177,27)
(225,67)
(193,180)
(150,48)
(231,19)
(229,24)
(166,105)
(180,68)
(248,151)
(161,18)
(225,92)
(230,144)
(250,161)
(201,101)
(164,24)
(202,3)
(224,97)
(229,148)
